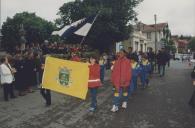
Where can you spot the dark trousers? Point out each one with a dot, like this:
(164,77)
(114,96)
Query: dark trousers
(120,94)
(8,90)
(102,73)
(162,70)
(46,95)
(168,63)
(158,68)
(152,67)
(192,100)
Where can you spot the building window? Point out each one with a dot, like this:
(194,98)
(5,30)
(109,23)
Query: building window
(145,48)
(136,46)
(141,47)
(149,35)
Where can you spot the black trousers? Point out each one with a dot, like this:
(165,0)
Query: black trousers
(158,68)
(8,89)
(192,100)
(46,95)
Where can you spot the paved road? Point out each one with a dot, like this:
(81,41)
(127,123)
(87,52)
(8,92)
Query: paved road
(162,105)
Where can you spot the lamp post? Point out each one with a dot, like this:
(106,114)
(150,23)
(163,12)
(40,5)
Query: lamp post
(155,19)
(0,25)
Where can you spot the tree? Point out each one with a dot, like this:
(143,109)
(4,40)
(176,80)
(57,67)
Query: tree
(170,46)
(36,29)
(191,44)
(112,24)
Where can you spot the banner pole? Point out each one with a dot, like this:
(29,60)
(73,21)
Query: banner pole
(83,39)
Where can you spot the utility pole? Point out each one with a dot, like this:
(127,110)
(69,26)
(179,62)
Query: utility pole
(0,26)
(155,65)
(155,19)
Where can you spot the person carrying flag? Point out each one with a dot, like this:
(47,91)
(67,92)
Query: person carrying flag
(94,81)
(46,93)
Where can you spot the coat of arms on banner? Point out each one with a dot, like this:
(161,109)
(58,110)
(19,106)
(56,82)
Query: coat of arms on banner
(64,76)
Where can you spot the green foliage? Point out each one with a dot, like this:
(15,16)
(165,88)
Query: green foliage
(112,24)
(191,44)
(36,29)
(171,46)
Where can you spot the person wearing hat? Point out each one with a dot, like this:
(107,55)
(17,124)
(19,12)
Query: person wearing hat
(121,77)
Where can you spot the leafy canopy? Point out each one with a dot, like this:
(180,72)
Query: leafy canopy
(36,29)
(112,24)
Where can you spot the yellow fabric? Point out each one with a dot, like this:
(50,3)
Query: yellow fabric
(57,71)
(101,62)
(116,94)
(125,94)
(133,65)
(145,62)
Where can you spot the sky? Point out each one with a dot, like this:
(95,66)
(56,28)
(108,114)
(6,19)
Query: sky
(180,14)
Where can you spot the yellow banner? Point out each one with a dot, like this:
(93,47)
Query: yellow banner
(66,77)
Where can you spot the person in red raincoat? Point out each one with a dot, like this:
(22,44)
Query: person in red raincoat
(121,77)
(94,81)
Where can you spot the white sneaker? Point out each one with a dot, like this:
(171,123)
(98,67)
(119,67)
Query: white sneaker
(124,105)
(114,108)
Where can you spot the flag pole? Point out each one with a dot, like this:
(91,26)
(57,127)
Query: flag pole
(83,39)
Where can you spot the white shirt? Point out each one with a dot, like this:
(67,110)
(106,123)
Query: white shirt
(6,75)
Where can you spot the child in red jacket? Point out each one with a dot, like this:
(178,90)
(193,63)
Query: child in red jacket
(121,77)
(94,81)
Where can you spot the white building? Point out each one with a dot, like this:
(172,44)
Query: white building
(137,41)
(143,37)
(162,32)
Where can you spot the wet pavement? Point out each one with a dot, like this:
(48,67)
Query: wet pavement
(164,104)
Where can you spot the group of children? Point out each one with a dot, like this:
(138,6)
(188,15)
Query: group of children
(124,77)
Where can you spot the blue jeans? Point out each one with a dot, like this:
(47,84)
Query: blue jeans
(118,94)
(93,92)
(102,72)
(144,79)
(133,85)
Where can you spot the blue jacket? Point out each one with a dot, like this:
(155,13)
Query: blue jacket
(145,66)
(136,69)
